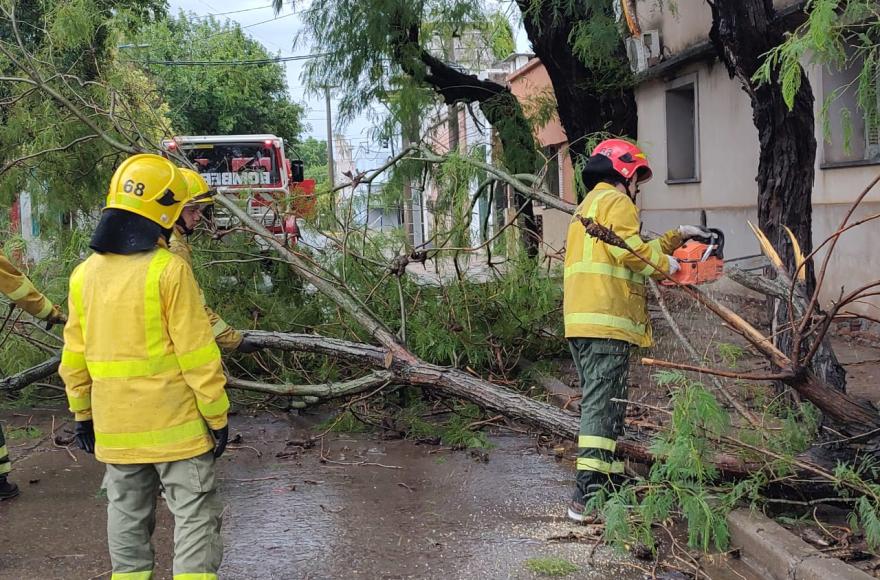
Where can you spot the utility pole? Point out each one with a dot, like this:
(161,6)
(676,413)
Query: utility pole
(408,216)
(331,169)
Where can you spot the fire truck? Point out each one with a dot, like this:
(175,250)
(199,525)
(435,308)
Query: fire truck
(255,169)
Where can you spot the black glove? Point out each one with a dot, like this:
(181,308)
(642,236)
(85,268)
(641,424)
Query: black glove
(56,316)
(248,346)
(221,438)
(84,435)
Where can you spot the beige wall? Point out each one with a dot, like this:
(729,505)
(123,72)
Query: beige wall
(529,84)
(685,25)
(683,22)
(727,191)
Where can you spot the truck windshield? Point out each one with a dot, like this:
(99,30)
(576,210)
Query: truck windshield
(235,164)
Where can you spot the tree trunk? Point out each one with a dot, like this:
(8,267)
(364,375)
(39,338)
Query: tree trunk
(587,102)
(742,32)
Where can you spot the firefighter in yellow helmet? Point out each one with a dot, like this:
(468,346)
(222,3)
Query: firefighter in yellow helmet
(200,205)
(605,309)
(19,289)
(143,376)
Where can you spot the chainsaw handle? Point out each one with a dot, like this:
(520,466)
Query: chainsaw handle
(717,239)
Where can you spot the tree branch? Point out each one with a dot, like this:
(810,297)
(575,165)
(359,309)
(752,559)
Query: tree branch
(6,167)
(322,391)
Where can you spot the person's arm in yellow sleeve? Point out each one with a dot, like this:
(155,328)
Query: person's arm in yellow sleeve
(227,337)
(20,290)
(197,352)
(73,369)
(623,218)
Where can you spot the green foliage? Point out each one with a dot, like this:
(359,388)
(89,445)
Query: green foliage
(681,481)
(551,566)
(346,422)
(216,100)
(838,34)
(865,515)
(29,432)
(455,431)
(58,159)
(684,483)
(596,37)
(363,38)
(313,154)
(730,354)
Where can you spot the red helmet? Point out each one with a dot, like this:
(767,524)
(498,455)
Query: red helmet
(626,159)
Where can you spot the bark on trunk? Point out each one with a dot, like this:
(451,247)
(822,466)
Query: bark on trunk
(742,32)
(459,384)
(586,101)
(36,373)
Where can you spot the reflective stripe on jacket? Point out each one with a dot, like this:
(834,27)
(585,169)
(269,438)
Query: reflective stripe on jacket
(227,337)
(140,359)
(605,285)
(19,289)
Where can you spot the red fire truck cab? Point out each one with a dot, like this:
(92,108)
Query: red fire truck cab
(256,170)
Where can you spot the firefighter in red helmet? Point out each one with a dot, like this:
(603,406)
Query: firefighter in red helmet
(605,309)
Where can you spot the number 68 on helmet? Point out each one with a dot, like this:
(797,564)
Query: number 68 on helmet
(150,186)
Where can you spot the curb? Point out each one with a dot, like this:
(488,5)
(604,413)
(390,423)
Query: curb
(774,552)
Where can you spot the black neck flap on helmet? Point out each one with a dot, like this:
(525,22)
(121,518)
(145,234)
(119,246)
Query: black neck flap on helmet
(123,232)
(599,168)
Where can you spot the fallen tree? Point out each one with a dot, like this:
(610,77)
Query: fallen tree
(851,417)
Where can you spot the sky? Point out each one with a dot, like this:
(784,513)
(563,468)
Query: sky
(277,34)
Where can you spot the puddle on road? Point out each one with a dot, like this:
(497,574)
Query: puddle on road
(368,509)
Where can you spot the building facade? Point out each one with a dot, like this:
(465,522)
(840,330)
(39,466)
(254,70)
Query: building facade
(695,124)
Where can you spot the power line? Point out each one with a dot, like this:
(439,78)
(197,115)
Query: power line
(258,61)
(241,27)
(232,12)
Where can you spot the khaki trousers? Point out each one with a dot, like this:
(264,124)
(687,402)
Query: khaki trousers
(191,495)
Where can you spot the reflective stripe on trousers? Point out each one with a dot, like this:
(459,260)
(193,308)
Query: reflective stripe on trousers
(602,366)
(5,463)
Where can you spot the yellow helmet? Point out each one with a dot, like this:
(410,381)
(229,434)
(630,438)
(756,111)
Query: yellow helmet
(150,186)
(199,190)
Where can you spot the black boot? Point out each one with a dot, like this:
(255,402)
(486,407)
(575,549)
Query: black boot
(7,490)
(588,484)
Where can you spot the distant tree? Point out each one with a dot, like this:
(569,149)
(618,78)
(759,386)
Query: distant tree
(70,47)
(376,48)
(313,153)
(217,99)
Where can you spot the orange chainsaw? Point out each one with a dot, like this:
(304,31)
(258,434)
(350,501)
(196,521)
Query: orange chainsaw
(701,260)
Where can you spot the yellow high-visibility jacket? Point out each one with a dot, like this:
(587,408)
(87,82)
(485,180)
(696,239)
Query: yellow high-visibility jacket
(140,360)
(227,337)
(18,288)
(604,289)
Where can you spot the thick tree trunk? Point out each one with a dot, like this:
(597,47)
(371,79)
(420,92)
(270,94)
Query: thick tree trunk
(742,32)
(587,102)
